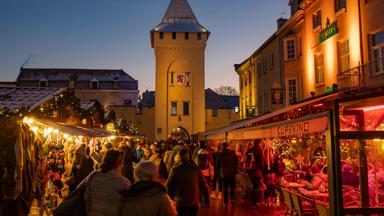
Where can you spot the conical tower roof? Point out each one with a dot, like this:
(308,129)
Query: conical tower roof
(179,17)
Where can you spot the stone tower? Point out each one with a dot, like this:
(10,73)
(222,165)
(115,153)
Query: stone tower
(179,42)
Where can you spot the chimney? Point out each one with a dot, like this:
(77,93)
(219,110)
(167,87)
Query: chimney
(280,22)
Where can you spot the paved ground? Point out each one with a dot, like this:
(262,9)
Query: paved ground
(217,209)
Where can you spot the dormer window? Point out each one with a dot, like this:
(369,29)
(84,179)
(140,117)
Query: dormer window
(43,83)
(94,84)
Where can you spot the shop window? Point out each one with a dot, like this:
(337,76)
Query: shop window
(214,112)
(199,36)
(344,59)
(377,49)
(290,49)
(292,90)
(340,4)
(161,34)
(316,19)
(186,35)
(173,35)
(319,69)
(174,108)
(185,108)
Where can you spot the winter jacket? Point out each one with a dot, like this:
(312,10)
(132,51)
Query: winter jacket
(186,183)
(163,172)
(227,163)
(102,196)
(129,158)
(146,198)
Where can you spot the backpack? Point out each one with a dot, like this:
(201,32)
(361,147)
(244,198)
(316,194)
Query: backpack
(203,159)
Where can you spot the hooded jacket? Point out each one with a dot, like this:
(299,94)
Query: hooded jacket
(146,198)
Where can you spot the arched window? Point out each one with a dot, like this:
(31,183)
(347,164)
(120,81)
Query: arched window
(94,84)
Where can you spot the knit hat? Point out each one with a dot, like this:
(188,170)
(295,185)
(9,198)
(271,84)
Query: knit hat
(146,171)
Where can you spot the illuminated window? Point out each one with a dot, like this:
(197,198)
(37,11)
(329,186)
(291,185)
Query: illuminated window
(344,59)
(185,108)
(186,35)
(290,49)
(339,5)
(319,68)
(377,47)
(199,36)
(292,90)
(161,35)
(316,19)
(173,108)
(173,35)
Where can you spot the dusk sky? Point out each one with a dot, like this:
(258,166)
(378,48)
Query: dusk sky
(114,34)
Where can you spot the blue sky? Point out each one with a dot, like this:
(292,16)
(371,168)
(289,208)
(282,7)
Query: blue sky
(114,34)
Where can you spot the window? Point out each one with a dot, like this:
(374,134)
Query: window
(172,77)
(185,108)
(292,90)
(198,35)
(186,35)
(259,70)
(173,108)
(294,7)
(339,5)
(250,76)
(43,83)
(173,35)
(161,35)
(344,60)
(128,102)
(272,61)
(94,84)
(319,69)
(215,112)
(316,19)
(290,49)
(377,49)
(159,130)
(265,65)
(187,78)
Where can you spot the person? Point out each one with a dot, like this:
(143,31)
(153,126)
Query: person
(171,161)
(205,162)
(82,166)
(156,158)
(318,179)
(184,185)
(216,181)
(102,195)
(227,165)
(147,196)
(254,165)
(129,159)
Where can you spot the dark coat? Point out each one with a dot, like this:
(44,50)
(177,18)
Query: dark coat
(227,163)
(146,198)
(129,158)
(186,183)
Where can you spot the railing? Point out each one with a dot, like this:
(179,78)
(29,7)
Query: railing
(370,74)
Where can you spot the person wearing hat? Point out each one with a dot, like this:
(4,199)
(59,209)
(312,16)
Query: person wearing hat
(147,196)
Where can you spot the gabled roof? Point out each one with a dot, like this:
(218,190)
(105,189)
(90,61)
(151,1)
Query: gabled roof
(13,98)
(179,17)
(66,74)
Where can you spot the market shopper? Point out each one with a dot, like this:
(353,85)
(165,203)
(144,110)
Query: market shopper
(82,166)
(185,184)
(158,160)
(254,165)
(102,194)
(217,183)
(147,196)
(227,166)
(204,161)
(129,159)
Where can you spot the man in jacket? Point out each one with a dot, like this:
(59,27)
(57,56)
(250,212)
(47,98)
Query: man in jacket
(185,184)
(254,166)
(147,196)
(227,165)
(129,158)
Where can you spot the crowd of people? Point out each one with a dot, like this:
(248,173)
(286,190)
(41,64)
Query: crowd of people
(165,178)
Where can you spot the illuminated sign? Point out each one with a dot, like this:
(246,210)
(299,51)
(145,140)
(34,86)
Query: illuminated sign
(291,129)
(329,31)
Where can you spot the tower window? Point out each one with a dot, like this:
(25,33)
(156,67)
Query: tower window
(174,108)
(161,34)
(172,74)
(199,36)
(173,35)
(185,108)
(186,35)
(188,78)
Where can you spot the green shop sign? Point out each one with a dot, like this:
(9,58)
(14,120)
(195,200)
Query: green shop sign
(329,31)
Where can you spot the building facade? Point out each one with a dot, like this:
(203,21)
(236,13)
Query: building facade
(326,45)
(109,87)
(179,43)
